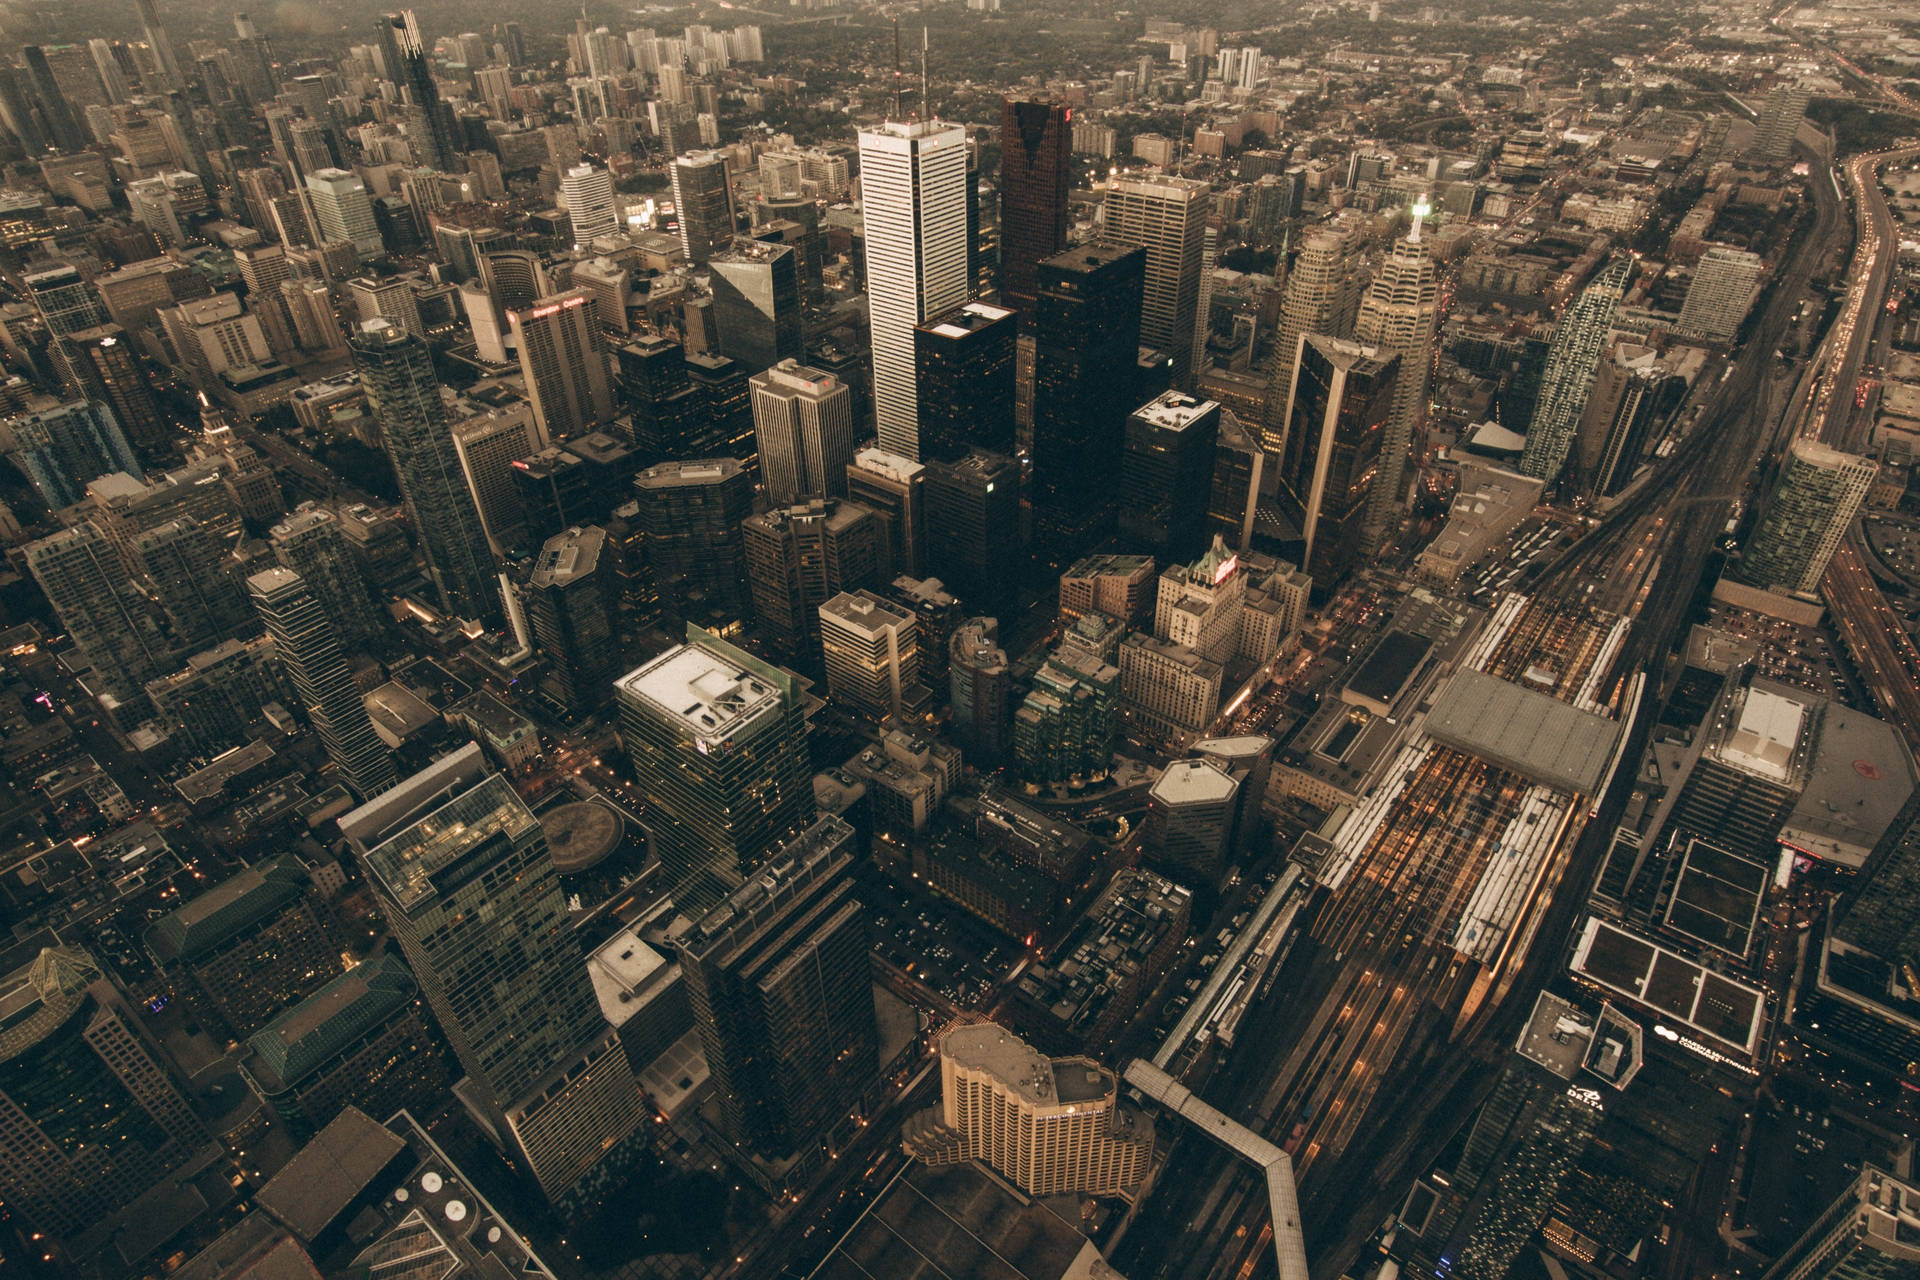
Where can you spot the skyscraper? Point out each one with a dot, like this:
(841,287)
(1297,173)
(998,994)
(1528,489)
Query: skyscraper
(800,556)
(980,686)
(703,203)
(65,300)
(1398,315)
(570,601)
(396,369)
(161,45)
(310,543)
(401,41)
(1166,475)
(1051,1126)
(803,426)
(93,1119)
(1086,325)
(1166,217)
(1318,287)
(62,117)
(308,645)
(872,653)
(102,364)
(563,357)
(689,515)
(1725,281)
(782,994)
(1036,151)
(894,489)
(89,588)
(182,564)
(462,871)
(718,742)
(913,184)
(1342,397)
(343,211)
(756,303)
(1579,341)
(488,444)
(975,542)
(1867,1233)
(1813,501)
(1780,121)
(589,194)
(61,449)
(1619,416)
(963,369)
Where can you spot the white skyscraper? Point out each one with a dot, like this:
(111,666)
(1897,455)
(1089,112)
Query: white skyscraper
(1399,313)
(589,194)
(1723,287)
(913,182)
(803,425)
(344,211)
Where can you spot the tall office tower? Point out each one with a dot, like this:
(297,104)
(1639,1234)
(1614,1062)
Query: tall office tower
(1086,325)
(1064,728)
(690,516)
(1239,467)
(1725,282)
(182,563)
(489,443)
(65,300)
(1579,341)
(63,448)
(894,489)
(85,581)
(162,47)
(255,55)
(1312,302)
(392,299)
(1342,396)
(396,369)
(800,556)
(1166,475)
(308,644)
(563,357)
(343,212)
(980,688)
(976,278)
(570,601)
(1036,150)
(410,67)
(1619,416)
(1248,760)
(1188,829)
(310,543)
(913,184)
(872,654)
(1398,314)
(756,303)
(1779,122)
(62,118)
(588,190)
(249,947)
(1051,1126)
(16,111)
(783,997)
(1166,217)
(963,366)
(93,1119)
(1813,503)
(803,428)
(462,871)
(703,203)
(1866,1234)
(975,542)
(718,741)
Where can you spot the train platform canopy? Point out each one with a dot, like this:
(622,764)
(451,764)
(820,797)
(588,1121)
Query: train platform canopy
(1541,738)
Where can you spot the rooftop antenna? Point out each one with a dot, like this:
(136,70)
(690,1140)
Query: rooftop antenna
(896,69)
(1421,208)
(926,85)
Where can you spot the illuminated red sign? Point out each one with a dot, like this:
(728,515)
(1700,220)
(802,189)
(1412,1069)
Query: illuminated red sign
(1225,570)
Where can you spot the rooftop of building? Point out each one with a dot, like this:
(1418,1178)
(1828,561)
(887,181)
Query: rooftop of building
(490,717)
(399,710)
(1175,410)
(626,974)
(1107,565)
(212,780)
(895,467)
(967,318)
(1187,782)
(1539,737)
(406,863)
(1393,661)
(864,612)
(1038,1079)
(234,904)
(800,860)
(582,834)
(1245,746)
(567,557)
(1108,949)
(1089,258)
(310,1034)
(1860,777)
(1765,729)
(663,475)
(704,688)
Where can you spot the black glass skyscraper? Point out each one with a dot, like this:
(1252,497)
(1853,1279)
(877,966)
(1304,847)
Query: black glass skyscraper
(396,369)
(411,70)
(1036,145)
(964,361)
(1086,365)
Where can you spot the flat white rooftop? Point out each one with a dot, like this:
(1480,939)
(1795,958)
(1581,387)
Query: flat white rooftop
(1763,740)
(701,689)
(1193,782)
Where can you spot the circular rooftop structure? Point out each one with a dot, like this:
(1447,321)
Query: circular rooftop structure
(580,835)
